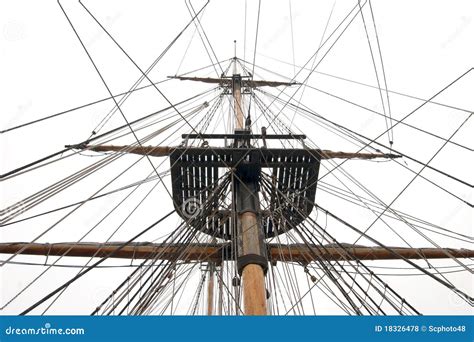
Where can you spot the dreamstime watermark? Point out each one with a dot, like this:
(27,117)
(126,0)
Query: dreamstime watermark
(465,22)
(191,208)
(457,299)
(46,330)
(458,210)
(282,28)
(107,22)
(21,110)
(14,31)
(293,196)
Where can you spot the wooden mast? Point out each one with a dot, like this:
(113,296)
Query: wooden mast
(253,277)
(210,289)
(253,253)
(237,94)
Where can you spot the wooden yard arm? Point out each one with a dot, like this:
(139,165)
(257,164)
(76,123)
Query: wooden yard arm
(227,82)
(217,252)
(162,151)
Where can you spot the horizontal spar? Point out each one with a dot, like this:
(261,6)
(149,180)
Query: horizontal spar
(163,151)
(227,82)
(243,136)
(217,252)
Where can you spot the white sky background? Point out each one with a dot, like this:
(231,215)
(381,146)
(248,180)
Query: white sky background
(44,70)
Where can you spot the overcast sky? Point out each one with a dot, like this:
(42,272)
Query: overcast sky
(425,45)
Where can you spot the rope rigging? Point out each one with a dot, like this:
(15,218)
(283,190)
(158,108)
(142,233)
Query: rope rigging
(244,205)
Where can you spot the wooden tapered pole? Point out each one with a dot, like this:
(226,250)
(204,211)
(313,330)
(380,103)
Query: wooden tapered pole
(253,277)
(299,253)
(163,151)
(255,302)
(237,94)
(210,290)
(221,274)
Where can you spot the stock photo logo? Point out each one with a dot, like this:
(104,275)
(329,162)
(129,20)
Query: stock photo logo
(47,329)
(192,208)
